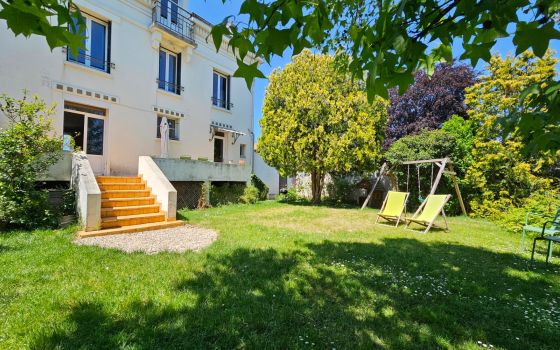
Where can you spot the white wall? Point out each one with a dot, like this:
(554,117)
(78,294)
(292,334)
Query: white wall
(267,174)
(131,123)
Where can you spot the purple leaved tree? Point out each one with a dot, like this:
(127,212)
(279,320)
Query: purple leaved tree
(428,102)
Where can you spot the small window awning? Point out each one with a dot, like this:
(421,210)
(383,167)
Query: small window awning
(222,127)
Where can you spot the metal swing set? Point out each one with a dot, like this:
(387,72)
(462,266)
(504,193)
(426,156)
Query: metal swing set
(394,204)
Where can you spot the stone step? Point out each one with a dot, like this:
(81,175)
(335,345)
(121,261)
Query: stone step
(128,220)
(109,186)
(127,202)
(118,179)
(131,229)
(130,210)
(126,193)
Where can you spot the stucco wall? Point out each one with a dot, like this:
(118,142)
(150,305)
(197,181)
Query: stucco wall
(131,123)
(267,174)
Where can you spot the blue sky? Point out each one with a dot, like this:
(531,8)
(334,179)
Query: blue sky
(215,11)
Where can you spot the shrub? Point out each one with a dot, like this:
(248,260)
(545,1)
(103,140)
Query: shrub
(226,193)
(261,187)
(340,189)
(250,195)
(291,196)
(27,150)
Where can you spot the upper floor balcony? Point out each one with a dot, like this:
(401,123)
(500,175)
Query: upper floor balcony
(174,20)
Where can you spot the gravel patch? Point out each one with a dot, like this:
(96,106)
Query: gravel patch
(176,239)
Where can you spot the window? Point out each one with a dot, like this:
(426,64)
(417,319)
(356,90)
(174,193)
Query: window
(169,6)
(169,71)
(221,93)
(242,149)
(173,128)
(96,43)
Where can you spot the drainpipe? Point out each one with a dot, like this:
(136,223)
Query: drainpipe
(252,151)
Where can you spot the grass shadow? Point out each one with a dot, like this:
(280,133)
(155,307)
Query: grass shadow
(400,294)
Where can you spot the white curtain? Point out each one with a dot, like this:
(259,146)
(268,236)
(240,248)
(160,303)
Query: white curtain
(164,131)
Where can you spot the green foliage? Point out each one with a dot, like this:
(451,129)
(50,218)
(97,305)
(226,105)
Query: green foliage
(317,120)
(291,196)
(250,195)
(463,130)
(226,193)
(339,189)
(27,149)
(385,41)
(261,187)
(502,175)
(428,145)
(511,215)
(49,18)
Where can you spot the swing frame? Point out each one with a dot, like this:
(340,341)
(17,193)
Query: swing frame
(445,167)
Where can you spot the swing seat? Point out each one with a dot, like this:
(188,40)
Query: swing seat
(431,208)
(393,207)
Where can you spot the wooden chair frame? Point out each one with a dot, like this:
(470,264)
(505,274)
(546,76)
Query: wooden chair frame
(391,218)
(430,224)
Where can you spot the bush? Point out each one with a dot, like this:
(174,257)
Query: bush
(261,187)
(226,193)
(27,150)
(250,195)
(291,196)
(340,189)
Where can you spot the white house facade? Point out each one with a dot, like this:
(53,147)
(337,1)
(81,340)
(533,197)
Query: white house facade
(144,60)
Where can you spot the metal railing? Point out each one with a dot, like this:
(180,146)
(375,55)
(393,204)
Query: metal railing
(174,19)
(221,103)
(87,60)
(170,86)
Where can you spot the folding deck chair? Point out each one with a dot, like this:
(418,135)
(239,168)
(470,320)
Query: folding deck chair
(393,207)
(431,208)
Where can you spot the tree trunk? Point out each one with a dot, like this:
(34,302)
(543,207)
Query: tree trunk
(317,179)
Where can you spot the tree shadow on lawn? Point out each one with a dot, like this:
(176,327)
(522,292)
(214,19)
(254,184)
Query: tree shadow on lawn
(401,294)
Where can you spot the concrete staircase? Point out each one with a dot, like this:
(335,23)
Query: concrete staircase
(128,205)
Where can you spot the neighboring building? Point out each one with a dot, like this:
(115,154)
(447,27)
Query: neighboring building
(144,60)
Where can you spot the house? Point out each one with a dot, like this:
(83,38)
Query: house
(143,60)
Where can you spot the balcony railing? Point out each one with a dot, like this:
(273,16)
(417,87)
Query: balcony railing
(169,86)
(173,19)
(87,60)
(221,103)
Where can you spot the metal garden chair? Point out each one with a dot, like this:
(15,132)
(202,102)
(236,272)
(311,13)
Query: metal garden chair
(548,234)
(528,227)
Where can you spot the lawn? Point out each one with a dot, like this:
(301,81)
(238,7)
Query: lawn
(282,276)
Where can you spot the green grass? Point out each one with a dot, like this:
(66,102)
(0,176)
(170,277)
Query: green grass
(282,276)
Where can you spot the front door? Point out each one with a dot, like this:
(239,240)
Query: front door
(87,131)
(218,150)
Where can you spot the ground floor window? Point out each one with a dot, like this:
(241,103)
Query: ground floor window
(173,128)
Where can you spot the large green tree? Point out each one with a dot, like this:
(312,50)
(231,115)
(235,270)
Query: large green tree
(500,175)
(317,119)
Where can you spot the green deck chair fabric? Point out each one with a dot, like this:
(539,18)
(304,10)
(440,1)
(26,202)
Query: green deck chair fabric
(393,206)
(432,208)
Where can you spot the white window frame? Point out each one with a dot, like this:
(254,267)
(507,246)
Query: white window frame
(176,128)
(166,74)
(88,19)
(216,99)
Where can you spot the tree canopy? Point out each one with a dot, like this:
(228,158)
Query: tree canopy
(316,119)
(428,102)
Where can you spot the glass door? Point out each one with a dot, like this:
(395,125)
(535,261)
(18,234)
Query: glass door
(218,150)
(87,131)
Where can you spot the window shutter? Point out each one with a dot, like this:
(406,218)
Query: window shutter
(228,92)
(178,87)
(108,47)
